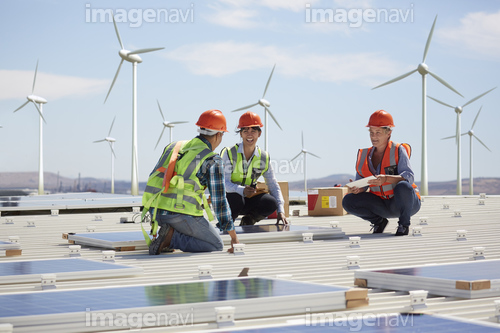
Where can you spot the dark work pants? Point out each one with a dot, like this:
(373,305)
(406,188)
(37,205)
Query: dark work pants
(371,207)
(258,206)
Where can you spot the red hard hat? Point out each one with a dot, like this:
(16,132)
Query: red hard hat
(381,118)
(213,120)
(250,119)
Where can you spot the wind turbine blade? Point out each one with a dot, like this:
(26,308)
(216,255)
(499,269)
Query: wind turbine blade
(296,156)
(109,133)
(246,107)
(117,33)
(477,97)
(449,137)
(443,103)
(100,140)
(429,40)
(39,112)
(313,154)
(477,115)
(114,79)
(396,79)
(443,82)
(112,150)
(273,117)
(22,106)
(178,122)
(159,107)
(146,50)
(160,137)
(302,132)
(268,80)
(34,78)
(481,142)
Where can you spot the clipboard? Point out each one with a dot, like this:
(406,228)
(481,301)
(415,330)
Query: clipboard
(360,182)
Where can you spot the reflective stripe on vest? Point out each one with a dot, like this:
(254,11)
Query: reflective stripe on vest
(256,167)
(390,158)
(185,194)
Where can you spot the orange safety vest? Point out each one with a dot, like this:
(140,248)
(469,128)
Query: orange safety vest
(389,166)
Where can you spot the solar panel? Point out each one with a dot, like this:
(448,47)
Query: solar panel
(468,280)
(195,302)
(68,201)
(134,240)
(10,249)
(9,245)
(380,323)
(65,269)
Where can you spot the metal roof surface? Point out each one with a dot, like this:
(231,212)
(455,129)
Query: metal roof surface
(323,261)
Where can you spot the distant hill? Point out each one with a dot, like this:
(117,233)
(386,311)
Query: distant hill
(54,183)
(28,182)
(481,185)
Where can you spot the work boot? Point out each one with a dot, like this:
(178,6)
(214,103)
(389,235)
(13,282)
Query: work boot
(380,227)
(162,241)
(251,219)
(247,220)
(402,230)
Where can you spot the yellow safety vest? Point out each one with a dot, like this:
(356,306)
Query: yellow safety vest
(257,166)
(185,193)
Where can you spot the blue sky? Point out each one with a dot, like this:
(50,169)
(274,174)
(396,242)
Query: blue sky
(220,56)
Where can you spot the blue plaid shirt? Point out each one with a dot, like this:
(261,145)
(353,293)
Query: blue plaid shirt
(214,180)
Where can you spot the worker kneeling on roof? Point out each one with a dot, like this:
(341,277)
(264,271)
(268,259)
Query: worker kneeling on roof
(175,192)
(392,194)
(244,163)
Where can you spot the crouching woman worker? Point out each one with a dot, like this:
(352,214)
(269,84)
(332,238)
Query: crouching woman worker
(244,163)
(175,192)
(392,193)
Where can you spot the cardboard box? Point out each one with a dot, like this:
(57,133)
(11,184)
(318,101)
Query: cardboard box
(284,192)
(326,201)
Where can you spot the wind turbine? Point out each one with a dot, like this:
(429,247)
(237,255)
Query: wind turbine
(133,57)
(265,104)
(40,101)
(423,70)
(471,134)
(305,152)
(458,110)
(111,142)
(169,124)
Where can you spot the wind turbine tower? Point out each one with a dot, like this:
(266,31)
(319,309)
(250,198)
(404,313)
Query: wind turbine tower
(132,57)
(471,135)
(111,142)
(423,70)
(458,111)
(305,152)
(40,101)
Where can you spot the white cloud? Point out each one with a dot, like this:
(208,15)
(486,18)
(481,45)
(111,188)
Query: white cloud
(245,14)
(292,5)
(18,84)
(479,32)
(233,17)
(224,58)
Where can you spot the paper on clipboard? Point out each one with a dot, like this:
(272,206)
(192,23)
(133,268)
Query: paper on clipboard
(360,182)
